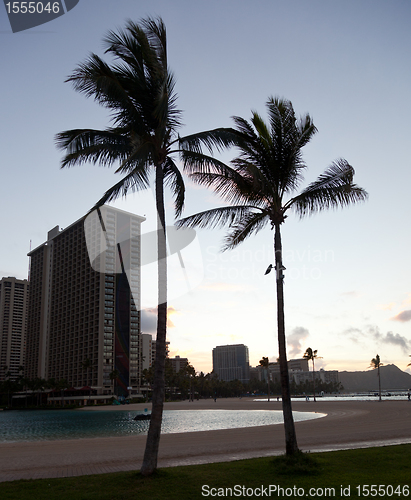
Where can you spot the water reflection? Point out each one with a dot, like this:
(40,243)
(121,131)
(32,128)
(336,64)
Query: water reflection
(71,424)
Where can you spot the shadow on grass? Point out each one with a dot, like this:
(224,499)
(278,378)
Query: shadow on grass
(298,464)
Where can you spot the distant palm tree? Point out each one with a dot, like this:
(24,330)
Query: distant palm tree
(139,92)
(375,364)
(265,364)
(409,364)
(311,356)
(268,169)
(87,365)
(114,375)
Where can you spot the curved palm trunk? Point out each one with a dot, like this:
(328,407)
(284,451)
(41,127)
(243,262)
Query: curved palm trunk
(290,436)
(153,437)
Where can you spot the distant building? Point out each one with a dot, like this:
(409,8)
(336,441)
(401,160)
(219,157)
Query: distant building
(294,365)
(299,364)
(147,351)
(231,362)
(178,363)
(81,309)
(326,376)
(13,326)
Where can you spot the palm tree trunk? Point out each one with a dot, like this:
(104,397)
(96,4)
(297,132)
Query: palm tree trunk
(379,384)
(153,437)
(291,446)
(314,380)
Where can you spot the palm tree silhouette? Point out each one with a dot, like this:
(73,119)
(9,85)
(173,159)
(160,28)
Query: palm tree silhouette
(311,356)
(375,364)
(139,92)
(268,169)
(265,364)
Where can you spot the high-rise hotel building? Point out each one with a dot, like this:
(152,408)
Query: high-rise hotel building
(231,362)
(13,324)
(84,306)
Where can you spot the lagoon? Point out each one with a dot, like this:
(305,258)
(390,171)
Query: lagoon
(40,425)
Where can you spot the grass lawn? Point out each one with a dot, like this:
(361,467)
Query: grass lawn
(339,474)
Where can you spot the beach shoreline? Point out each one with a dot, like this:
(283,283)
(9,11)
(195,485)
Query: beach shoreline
(348,424)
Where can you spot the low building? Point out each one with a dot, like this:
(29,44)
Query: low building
(178,363)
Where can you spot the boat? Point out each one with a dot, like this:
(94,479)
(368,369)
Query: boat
(142,416)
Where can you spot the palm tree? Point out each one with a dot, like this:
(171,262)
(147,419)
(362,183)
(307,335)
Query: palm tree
(139,92)
(375,364)
(87,365)
(269,169)
(311,356)
(265,364)
(114,375)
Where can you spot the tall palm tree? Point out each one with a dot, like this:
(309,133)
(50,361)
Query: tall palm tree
(259,188)
(311,356)
(138,89)
(375,364)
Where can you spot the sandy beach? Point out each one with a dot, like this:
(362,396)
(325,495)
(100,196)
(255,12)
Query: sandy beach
(348,424)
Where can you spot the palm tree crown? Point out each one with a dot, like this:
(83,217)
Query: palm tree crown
(268,169)
(139,92)
(259,188)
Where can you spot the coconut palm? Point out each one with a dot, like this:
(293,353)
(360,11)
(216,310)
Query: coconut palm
(265,364)
(311,356)
(375,364)
(259,188)
(138,89)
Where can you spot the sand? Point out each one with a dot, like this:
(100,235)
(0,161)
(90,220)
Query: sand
(348,424)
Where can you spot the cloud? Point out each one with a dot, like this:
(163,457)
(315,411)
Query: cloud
(297,335)
(353,334)
(402,316)
(361,336)
(390,338)
(149,321)
(387,307)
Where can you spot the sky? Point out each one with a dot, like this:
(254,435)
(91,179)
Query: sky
(346,63)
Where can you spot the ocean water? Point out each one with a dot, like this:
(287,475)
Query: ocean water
(38,425)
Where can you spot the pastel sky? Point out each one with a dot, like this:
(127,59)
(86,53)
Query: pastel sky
(346,62)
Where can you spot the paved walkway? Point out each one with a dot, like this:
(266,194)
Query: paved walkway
(347,425)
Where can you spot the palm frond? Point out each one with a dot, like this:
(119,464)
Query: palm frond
(216,217)
(97,146)
(213,140)
(334,188)
(248,225)
(136,180)
(174,179)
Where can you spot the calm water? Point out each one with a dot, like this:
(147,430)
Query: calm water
(348,397)
(70,424)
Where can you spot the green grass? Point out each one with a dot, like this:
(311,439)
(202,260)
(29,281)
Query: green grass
(335,470)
